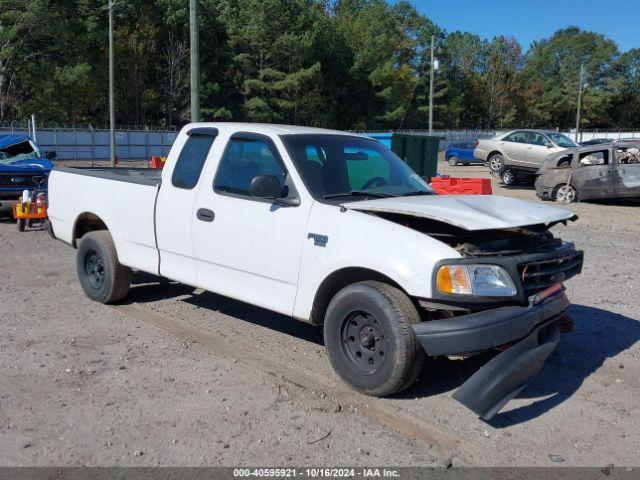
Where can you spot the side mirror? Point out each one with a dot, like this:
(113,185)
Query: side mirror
(549,145)
(266,186)
(50,155)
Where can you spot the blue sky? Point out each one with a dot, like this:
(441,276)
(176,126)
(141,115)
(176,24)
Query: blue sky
(536,19)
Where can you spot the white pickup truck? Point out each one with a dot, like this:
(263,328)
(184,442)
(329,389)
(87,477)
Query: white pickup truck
(332,228)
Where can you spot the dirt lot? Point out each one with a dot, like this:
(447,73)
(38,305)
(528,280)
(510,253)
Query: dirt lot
(182,377)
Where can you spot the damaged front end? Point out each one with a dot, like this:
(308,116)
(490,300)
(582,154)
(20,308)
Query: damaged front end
(524,326)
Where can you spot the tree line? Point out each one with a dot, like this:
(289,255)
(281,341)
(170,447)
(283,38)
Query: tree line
(348,64)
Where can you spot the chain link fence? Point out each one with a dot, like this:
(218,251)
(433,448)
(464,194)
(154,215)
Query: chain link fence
(132,144)
(448,137)
(88,143)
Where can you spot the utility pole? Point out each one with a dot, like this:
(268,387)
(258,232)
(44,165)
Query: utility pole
(112,108)
(431,89)
(433,70)
(195,60)
(580,88)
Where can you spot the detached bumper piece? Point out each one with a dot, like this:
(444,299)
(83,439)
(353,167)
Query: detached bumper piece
(504,376)
(536,329)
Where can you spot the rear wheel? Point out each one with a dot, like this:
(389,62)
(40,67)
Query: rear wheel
(508,177)
(101,275)
(369,338)
(453,160)
(496,162)
(21,225)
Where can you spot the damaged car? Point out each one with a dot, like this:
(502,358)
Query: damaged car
(333,229)
(595,172)
(23,166)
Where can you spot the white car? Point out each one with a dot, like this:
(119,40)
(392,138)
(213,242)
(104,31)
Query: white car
(332,228)
(520,152)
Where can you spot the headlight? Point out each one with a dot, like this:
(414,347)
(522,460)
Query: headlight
(480,280)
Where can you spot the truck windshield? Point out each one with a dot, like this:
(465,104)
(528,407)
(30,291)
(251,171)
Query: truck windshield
(18,151)
(335,166)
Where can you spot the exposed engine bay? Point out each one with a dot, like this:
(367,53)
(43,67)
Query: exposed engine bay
(479,243)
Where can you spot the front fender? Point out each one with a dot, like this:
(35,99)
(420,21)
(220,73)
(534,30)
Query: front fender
(364,240)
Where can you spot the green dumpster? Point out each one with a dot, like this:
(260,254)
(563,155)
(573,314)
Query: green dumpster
(420,152)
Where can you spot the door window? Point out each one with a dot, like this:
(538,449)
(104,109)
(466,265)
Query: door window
(536,138)
(243,160)
(600,157)
(191,160)
(517,137)
(628,155)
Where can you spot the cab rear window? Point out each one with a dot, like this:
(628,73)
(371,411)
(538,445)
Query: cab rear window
(191,160)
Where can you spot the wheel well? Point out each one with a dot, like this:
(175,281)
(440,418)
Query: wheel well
(336,282)
(495,152)
(557,187)
(562,184)
(86,222)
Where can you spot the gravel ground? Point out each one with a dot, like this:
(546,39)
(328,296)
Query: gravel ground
(84,384)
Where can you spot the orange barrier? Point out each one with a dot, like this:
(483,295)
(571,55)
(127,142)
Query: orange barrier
(461,186)
(158,162)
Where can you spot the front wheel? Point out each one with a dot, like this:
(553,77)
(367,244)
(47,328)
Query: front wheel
(496,162)
(565,194)
(369,338)
(453,160)
(21,224)
(101,275)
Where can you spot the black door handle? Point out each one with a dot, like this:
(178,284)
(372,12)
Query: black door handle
(205,215)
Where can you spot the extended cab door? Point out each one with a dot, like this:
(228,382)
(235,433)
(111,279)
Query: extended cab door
(174,208)
(249,248)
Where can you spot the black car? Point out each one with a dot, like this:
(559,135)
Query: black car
(596,141)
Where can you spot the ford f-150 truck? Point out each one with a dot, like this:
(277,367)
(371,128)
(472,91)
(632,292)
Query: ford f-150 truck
(333,229)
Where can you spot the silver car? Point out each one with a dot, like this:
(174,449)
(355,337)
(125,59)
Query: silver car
(523,150)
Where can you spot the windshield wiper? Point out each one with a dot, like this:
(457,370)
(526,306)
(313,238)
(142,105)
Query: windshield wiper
(358,193)
(417,193)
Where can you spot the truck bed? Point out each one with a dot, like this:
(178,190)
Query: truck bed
(141,176)
(123,199)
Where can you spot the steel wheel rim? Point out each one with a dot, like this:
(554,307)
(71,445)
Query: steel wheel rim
(496,163)
(566,193)
(363,342)
(508,178)
(94,269)
(453,161)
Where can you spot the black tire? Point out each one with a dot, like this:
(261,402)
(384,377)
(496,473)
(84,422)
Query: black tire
(496,162)
(101,275)
(453,160)
(508,177)
(386,357)
(21,225)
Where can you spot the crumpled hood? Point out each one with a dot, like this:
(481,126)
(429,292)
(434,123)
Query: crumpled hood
(471,212)
(29,164)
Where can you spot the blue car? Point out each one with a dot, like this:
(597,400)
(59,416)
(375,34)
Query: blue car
(461,154)
(23,166)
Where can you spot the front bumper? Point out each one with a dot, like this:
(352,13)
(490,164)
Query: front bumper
(545,193)
(535,329)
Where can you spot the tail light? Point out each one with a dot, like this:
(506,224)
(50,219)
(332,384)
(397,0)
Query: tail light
(477,142)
